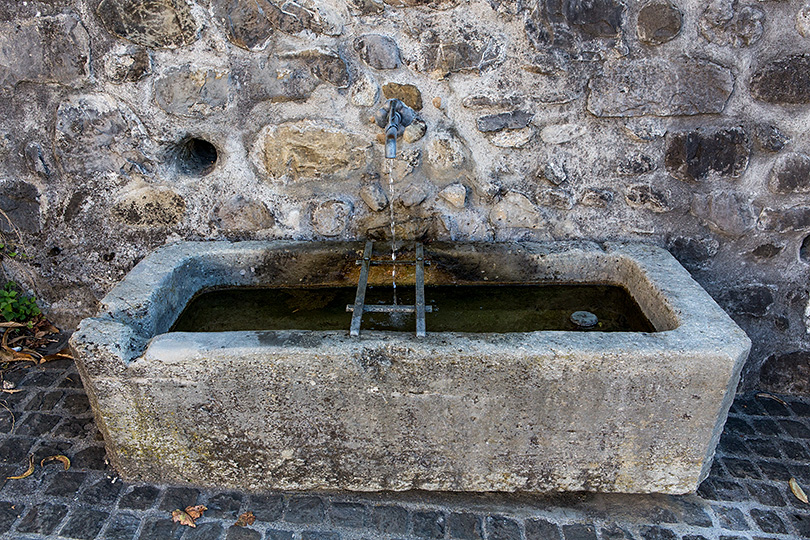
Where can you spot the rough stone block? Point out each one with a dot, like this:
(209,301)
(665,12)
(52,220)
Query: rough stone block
(44,50)
(790,174)
(661,88)
(786,80)
(658,22)
(699,155)
(295,436)
(166,24)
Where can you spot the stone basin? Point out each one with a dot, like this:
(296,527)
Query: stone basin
(632,412)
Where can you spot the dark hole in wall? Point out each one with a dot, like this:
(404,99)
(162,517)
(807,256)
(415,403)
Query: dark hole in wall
(804,251)
(195,156)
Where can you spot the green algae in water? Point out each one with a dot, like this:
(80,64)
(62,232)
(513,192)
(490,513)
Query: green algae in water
(463,308)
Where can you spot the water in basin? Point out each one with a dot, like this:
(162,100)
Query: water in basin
(462,308)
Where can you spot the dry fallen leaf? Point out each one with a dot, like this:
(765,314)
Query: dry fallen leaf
(64,459)
(245,519)
(27,473)
(797,490)
(196,511)
(771,396)
(64,354)
(182,518)
(9,355)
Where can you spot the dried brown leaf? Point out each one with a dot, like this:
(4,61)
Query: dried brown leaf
(64,459)
(182,518)
(765,395)
(196,511)
(27,473)
(12,325)
(64,354)
(245,519)
(9,355)
(797,490)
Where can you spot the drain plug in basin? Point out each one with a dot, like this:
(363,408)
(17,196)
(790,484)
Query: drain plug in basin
(584,319)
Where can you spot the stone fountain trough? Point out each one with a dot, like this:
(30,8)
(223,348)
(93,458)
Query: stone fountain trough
(315,410)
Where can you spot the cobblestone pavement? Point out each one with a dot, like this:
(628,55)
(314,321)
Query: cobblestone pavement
(746,496)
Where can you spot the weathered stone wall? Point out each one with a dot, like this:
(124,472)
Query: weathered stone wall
(128,124)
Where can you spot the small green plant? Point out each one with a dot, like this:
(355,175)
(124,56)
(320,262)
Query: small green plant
(15,306)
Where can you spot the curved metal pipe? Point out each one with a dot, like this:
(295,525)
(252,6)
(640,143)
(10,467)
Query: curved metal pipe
(391,141)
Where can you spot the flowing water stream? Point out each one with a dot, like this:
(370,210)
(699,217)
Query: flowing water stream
(390,167)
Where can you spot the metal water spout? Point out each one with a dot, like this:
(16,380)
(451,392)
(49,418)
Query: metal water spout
(394,117)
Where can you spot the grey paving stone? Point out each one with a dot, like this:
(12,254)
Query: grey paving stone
(15,450)
(305,509)
(774,408)
(9,512)
(739,426)
(75,428)
(694,537)
(122,527)
(428,524)
(77,404)
(659,514)
(540,529)
(84,524)
(741,468)
(242,533)
(579,532)
(501,528)
(319,535)
(41,377)
(161,529)
(44,400)
(774,471)
(14,490)
(795,429)
(464,526)
(768,521)
(748,405)
(800,408)
(390,519)
(93,458)
(765,448)
(103,492)
(693,514)
(224,505)
(801,522)
(46,448)
(609,532)
(205,531)
(722,490)
(266,507)
(178,498)
(37,425)
(8,420)
(730,518)
(18,402)
(352,515)
(657,533)
(801,472)
(139,498)
(766,426)
(71,380)
(795,450)
(42,519)
(65,484)
(731,443)
(275,534)
(766,494)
